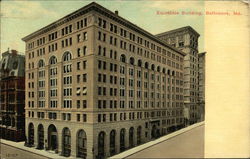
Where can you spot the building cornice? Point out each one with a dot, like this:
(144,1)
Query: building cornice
(186,28)
(103,11)
(60,22)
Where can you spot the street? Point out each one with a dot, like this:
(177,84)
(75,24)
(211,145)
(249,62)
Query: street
(186,145)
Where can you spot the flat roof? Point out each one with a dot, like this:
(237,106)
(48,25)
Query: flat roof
(98,8)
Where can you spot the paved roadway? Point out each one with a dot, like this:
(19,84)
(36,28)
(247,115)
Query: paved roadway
(187,145)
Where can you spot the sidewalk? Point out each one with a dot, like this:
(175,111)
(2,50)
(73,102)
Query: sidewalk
(136,152)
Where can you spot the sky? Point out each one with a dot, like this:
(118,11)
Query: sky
(21,18)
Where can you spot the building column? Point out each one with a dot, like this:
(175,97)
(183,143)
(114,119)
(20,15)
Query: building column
(35,137)
(91,143)
(59,138)
(73,144)
(26,131)
(46,141)
(127,139)
(135,136)
(107,145)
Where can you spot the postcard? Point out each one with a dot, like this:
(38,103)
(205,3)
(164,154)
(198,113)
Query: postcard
(124,79)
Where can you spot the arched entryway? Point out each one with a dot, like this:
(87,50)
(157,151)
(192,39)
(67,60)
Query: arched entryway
(101,145)
(31,134)
(66,144)
(82,144)
(122,140)
(52,138)
(112,142)
(139,135)
(40,134)
(155,132)
(131,137)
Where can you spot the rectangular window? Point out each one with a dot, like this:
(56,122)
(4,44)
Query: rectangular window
(104,90)
(104,24)
(104,65)
(78,37)
(84,103)
(78,78)
(99,117)
(104,104)
(111,117)
(99,77)
(104,37)
(78,117)
(99,90)
(99,64)
(78,65)
(104,78)
(69,116)
(84,117)
(78,103)
(85,36)
(104,117)
(85,22)
(84,50)
(99,35)
(84,64)
(84,77)
(99,104)
(64,116)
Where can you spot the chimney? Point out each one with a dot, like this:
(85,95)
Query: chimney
(14,52)
(116,12)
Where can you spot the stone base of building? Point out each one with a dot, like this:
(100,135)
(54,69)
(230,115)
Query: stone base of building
(95,141)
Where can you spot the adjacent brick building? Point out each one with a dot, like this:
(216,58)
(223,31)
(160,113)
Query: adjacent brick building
(12,101)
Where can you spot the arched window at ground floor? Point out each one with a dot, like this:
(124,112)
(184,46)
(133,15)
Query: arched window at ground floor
(122,140)
(112,142)
(52,138)
(40,134)
(66,147)
(31,134)
(81,144)
(155,132)
(101,145)
(131,137)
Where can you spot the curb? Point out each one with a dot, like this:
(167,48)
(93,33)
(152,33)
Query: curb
(155,142)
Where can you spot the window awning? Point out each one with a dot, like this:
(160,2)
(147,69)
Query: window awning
(84,90)
(78,91)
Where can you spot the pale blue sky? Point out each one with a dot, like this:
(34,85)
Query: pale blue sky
(20,18)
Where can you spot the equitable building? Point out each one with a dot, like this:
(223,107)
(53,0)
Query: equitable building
(98,84)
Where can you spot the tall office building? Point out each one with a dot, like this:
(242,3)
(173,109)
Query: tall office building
(186,40)
(12,119)
(100,85)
